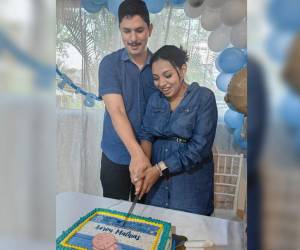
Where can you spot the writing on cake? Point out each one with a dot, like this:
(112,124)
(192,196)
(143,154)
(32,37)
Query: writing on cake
(121,232)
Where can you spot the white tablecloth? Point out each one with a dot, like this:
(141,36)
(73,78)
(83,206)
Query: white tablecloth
(224,233)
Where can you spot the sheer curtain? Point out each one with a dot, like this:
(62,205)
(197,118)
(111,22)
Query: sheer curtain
(83,39)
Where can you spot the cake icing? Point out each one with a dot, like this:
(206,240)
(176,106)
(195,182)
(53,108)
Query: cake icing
(138,232)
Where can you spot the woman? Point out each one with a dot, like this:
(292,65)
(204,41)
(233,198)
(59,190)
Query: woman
(178,132)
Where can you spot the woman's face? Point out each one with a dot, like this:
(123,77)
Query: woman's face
(166,77)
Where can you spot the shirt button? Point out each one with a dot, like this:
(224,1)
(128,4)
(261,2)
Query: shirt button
(167,188)
(166,150)
(167,204)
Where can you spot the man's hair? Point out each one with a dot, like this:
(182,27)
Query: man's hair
(133,7)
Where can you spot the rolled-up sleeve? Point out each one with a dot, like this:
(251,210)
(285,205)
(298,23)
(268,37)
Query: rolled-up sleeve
(109,77)
(200,145)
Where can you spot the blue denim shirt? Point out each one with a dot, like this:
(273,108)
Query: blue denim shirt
(190,187)
(119,75)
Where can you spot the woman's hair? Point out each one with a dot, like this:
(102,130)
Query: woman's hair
(132,8)
(174,55)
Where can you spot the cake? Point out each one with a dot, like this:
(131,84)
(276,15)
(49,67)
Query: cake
(135,234)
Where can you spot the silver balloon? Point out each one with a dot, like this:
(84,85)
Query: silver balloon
(238,35)
(195,3)
(210,19)
(192,12)
(233,12)
(215,4)
(219,39)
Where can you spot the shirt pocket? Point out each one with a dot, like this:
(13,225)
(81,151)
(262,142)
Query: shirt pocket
(156,120)
(184,121)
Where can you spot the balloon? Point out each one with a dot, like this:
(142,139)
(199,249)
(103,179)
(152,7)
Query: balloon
(223,80)
(91,6)
(233,119)
(285,14)
(232,59)
(238,139)
(177,2)
(113,6)
(99,1)
(192,12)
(210,20)
(195,3)
(215,4)
(219,39)
(238,35)
(237,92)
(278,44)
(233,12)
(155,6)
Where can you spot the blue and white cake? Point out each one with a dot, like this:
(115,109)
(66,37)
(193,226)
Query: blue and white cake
(136,234)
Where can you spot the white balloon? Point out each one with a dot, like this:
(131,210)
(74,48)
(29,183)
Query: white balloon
(238,35)
(219,39)
(215,4)
(210,19)
(195,3)
(193,12)
(233,12)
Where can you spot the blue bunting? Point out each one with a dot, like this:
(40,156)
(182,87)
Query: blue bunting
(90,98)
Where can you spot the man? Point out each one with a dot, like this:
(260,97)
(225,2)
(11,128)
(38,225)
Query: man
(126,82)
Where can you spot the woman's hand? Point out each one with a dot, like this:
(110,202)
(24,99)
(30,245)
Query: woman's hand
(138,165)
(151,176)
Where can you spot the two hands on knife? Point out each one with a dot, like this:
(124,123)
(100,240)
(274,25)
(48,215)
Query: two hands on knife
(143,175)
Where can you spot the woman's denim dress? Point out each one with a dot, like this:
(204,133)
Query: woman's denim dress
(183,139)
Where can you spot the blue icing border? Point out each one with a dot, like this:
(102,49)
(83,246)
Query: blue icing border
(163,241)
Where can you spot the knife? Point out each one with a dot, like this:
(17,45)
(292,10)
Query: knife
(136,198)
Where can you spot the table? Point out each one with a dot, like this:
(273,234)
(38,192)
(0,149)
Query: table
(224,233)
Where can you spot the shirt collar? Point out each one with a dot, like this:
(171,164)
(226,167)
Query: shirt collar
(125,56)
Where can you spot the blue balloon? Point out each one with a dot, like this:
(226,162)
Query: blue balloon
(232,60)
(223,81)
(99,1)
(290,110)
(239,140)
(91,6)
(155,6)
(233,119)
(285,14)
(177,2)
(113,6)
(278,44)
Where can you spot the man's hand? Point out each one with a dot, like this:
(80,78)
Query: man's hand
(138,164)
(151,176)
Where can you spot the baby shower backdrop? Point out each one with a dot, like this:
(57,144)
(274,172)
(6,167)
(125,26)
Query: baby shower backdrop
(213,32)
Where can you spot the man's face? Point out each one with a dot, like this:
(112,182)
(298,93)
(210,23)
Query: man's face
(135,33)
